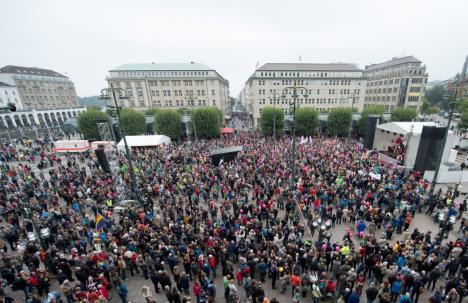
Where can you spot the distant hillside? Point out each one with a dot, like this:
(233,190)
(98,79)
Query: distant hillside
(91,101)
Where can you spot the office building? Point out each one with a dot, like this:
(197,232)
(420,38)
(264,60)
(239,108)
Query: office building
(399,82)
(170,85)
(40,89)
(328,86)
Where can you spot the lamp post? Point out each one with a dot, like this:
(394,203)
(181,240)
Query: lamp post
(439,161)
(272,96)
(353,98)
(294,96)
(110,93)
(189,96)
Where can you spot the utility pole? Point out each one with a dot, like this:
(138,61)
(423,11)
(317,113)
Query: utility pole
(273,97)
(189,95)
(353,97)
(105,95)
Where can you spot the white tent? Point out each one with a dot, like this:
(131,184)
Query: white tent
(410,133)
(140,141)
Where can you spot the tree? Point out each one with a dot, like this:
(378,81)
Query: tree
(207,121)
(87,123)
(306,121)
(268,117)
(370,110)
(169,122)
(338,121)
(427,109)
(463,123)
(402,114)
(152,111)
(435,95)
(133,122)
(462,105)
(232,102)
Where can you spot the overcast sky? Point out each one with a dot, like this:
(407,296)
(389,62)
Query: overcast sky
(86,38)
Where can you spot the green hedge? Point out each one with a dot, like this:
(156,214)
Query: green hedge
(133,122)
(338,122)
(267,117)
(306,121)
(87,123)
(169,122)
(208,121)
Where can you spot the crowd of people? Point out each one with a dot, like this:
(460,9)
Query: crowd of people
(246,226)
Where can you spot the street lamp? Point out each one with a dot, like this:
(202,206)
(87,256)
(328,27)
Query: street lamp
(110,93)
(353,98)
(294,96)
(272,97)
(189,96)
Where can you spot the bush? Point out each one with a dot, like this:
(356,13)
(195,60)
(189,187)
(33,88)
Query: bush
(371,110)
(338,121)
(402,114)
(306,121)
(266,121)
(169,122)
(207,121)
(87,123)
(133,122)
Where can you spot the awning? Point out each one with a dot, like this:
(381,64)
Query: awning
(227,130)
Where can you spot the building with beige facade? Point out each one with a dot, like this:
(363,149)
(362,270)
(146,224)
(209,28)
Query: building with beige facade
(40,89)
(327,86)
(170,85)
(400,82)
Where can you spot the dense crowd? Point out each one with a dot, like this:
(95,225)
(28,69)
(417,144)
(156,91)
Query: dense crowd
(196,223)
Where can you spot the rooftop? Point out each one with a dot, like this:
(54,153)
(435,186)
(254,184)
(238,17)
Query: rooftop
(309,67)
(161,67)
(34,71)
(394,61)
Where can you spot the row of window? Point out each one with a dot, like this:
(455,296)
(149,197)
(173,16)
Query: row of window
(288,111)
(311,74)
(380,98)
(48,98)
(44,84)
(180,103)
(167,93)
(306,101)
(407,72)
(309,91)
(164,83)
(382,90)
(163,74)
(302,82)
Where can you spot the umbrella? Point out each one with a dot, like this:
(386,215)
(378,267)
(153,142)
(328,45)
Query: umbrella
(227,130)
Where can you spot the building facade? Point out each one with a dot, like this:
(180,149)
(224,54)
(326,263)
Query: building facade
(40,89)
(400,82)
(9,94)
(171,86)
(328,86)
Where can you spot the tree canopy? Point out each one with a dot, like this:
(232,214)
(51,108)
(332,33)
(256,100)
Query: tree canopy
(435,95)
(87,123)
(169,122)
(339,120)
(402,114)
(306,121)
(133,122)
(207,121)
(271,116)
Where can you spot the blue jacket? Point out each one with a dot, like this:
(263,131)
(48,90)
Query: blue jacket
(353,298)
(396,287)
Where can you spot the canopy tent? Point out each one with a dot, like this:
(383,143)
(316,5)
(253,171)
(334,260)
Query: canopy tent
(227,130)
(404,128)
(141,141)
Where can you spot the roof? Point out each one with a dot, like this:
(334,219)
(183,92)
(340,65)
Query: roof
(4,84)
(34,71)
(394,61)
(405,128)
(161,66)
(152,140)
(226,150)
(309,67)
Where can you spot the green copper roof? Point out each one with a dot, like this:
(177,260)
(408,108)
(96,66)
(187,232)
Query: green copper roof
(161,66)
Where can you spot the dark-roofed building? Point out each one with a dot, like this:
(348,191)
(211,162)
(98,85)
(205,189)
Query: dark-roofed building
(328,85)
(40,88)
(399,82)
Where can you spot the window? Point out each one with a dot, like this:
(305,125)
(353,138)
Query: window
(132,103)
(140,93)
(213,92)
(415,89)
(214,102)
(413,98)
(142,103)
(129,93)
